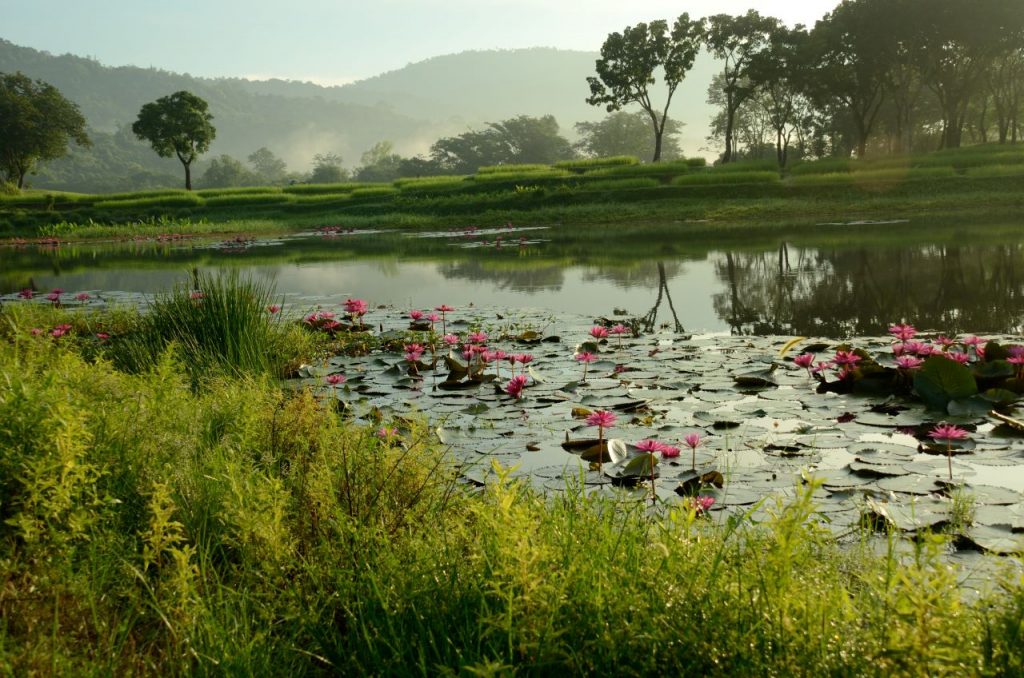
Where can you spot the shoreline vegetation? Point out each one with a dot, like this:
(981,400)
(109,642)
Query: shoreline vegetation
(169,507)
(742,195)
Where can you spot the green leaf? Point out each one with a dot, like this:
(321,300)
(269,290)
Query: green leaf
(995,351)
(975,406)
(993,369)
(940,380)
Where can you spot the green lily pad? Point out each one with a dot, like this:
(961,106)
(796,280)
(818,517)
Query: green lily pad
(940,380)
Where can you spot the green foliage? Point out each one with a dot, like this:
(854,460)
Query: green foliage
(621,184)
(520,140)
(663,169)
(940,381)
(586,164)
(869,176)
(515,168)
(177,125)
(226,172)
(327,169)
(36,123)
(529,174)
(167,200)
(628,134)
(731,177)
(375,192)
(312,189)
(996,170)
(822,166)
(220,324)
(240,199)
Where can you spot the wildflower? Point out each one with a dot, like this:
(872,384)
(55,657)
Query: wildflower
(598,332)
(274,308)
(335,379)
(902,332)
(60,331)
(700,503)
(515,386)
(386,433)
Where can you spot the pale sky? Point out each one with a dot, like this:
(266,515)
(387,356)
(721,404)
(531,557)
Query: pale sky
(340,41)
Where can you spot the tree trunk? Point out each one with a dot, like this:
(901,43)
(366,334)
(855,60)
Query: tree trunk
(21,179)
(658,133)
(188,176)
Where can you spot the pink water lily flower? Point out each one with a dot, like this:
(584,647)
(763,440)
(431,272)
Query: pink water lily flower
(416,315)
(82,296)
(972,341)
(669,451)
(958,356)
(601,418)
(335,379)
(477,337)
(908,362)
(585,357)
(693,441)
(451,339)
(515,386)
(902,332)
(598,332)
(102,336)
(650,446)
(846,358)
(274,308)
(948,433)
(26,293)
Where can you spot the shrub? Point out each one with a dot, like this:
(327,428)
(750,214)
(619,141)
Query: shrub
(513,168)
(823,166)
(547,173)
(242,199)
(375,192)
(996,170)
(663,169)
(747,166)
(712,178)
(585,164)
(311,189)
(238,190)
(620,184)
(170,200)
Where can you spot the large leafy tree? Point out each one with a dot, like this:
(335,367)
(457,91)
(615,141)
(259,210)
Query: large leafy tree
(269,168)
(629,61)
(739,42)
(36,123)
(226,172)
(623,133)
(523,139)
(179,124)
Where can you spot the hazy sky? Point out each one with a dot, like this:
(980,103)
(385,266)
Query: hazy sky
(333,42)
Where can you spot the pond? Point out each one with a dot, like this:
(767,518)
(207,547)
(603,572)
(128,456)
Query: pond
(831,280)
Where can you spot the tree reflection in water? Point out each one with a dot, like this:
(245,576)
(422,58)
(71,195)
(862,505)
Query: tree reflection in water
(846,292)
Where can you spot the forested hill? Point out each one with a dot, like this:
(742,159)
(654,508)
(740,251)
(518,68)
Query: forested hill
(411,107)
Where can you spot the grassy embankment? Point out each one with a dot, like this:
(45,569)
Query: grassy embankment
(168,508)
(592,191)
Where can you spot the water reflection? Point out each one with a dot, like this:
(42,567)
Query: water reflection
(769,287)
(843,292)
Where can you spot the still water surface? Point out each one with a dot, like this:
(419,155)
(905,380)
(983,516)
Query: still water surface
(825,286)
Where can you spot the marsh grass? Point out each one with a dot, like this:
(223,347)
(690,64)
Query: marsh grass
(219,323)
(148,527)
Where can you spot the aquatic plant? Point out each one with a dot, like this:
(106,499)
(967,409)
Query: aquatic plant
(948,433)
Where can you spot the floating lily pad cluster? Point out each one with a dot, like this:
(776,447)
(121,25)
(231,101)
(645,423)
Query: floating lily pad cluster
(764,424)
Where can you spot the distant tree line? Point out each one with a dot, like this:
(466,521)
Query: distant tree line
(887,76)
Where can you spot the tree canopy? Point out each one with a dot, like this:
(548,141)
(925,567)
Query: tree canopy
(179,124)
(630,59)
(522,139)
(625,133)
(36,123)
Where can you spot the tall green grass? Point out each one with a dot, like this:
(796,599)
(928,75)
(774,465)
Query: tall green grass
(218,323)
(663,169)
(585,164)
(148,527)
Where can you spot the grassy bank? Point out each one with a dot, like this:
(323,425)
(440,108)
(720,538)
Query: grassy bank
(159,518)
(617,191)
